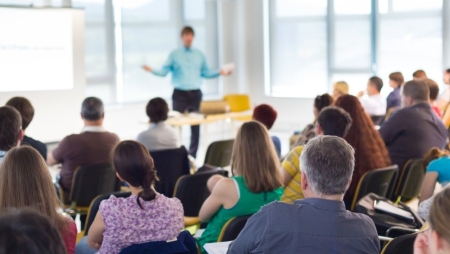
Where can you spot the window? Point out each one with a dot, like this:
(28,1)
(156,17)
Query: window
(313,44)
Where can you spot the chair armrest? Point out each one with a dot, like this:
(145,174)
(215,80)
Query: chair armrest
(385,239)
(401,229)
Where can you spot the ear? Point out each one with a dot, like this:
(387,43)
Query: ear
(319,130)
(120,178)
(21,135)
(304,182)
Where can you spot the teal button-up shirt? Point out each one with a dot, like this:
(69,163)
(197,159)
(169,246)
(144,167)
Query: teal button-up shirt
(188,67)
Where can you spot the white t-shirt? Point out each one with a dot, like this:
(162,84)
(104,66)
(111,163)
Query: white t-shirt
(374,105)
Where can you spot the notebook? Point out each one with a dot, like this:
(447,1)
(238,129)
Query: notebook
(217,248)
(393,210)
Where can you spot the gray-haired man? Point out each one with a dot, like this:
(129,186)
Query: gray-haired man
(319,223)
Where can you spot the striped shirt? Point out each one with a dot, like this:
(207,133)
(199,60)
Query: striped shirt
(293,190)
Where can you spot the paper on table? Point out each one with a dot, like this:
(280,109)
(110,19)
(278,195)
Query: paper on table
(228,67)
(388,208)
(217,248)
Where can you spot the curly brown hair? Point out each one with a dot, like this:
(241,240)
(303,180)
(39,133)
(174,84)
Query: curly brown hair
(370,150)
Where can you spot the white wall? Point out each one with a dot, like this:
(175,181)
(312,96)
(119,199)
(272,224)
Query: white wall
(57,112)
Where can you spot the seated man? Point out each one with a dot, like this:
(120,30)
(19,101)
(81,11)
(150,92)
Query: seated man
(26,110)
(319,223)
(92,146)
(415,129)
(11,132)
(159,136)
(267,115)
(374,104)
(332,121)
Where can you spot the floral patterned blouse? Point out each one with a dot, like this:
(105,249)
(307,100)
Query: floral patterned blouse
(126,223)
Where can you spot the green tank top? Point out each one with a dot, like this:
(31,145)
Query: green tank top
(248,203)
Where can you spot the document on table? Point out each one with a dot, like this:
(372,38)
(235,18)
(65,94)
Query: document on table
(217,248)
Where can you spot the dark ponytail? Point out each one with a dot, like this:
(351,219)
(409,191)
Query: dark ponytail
(323,101)
(134,164)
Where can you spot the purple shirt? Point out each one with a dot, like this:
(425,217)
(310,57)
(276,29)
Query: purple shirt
(126,223)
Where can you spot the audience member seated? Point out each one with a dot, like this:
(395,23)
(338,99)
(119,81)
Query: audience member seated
(145,216)
(319,223)
(267,115)
(92,146)
(396,81)
(415,129)
(370,151)
(340,88)
(159,136)
(26,110)
(320,102)
(374,104)
(424,206)
(332,121)
(11,132)
(26,182)
(444,97)
(419,74)
(437,163)
(437,239)
(257,182)
(434,91)
(26,231)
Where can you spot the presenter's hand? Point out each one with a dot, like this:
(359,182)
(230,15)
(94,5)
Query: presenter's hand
(225,73)
(147,68)
(360,94)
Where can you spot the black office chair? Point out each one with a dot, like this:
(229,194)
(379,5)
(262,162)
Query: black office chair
(378,181)
(95,205)
(400,245)
(232,228)
(170,164)
(378,120)
(89,182)
(410,181)
(192,191)
(219,153)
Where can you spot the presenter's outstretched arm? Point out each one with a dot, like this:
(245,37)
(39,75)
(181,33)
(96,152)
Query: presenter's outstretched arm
(167,67)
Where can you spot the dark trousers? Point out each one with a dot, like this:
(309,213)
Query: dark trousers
(189,101)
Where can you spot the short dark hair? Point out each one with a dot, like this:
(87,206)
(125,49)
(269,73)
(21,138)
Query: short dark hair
(187,30)
(92,109)
(334,121)
(10,126)
(26,110)
(265,114)
(377,82)
(157,110)
(448,70)
(419,74)
(433,87)
(417,90)
(323,101)
(397,77)
(27,231)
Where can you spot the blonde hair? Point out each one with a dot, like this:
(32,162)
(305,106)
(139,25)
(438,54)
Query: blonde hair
(439,213)
(341,86)
(26,182)
(254,158)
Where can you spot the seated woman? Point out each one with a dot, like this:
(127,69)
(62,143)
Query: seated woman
(437,238)
(370,150)
(340,88)
(257,182)
(437,163)
(393,100)
(145,216)
(267,115)
(320,102)
(26,182)
(159,135)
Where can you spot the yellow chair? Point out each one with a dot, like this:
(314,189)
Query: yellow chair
(239,103)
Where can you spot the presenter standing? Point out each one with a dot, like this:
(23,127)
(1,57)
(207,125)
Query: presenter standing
(188,67)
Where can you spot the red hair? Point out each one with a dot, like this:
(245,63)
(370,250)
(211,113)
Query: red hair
(370,150)
(265,114)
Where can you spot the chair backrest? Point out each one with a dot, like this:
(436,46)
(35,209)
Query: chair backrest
(378,181)
(232,228)
(192,191)
(238,102)
(90,181)
(410,180)
(93,208)
(185,244)
(377,120)
(219,153)
(400,245)
(170,165)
